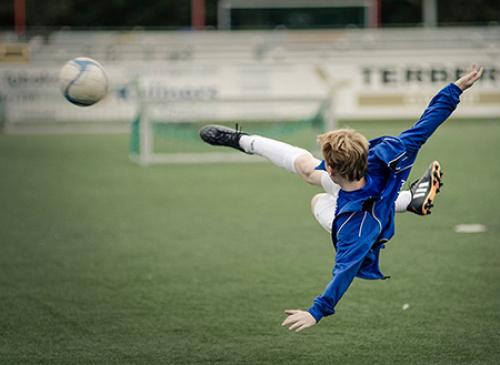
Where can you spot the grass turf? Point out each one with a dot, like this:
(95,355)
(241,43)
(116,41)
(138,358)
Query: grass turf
(103,261)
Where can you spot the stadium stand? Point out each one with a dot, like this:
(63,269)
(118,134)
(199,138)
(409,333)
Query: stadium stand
(124,46)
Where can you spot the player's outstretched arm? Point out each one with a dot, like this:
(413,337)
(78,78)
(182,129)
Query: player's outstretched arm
(439,109)
(467,80)
(346,266)
(351,253)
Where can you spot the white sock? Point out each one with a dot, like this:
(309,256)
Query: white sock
(403,200)
(279,153)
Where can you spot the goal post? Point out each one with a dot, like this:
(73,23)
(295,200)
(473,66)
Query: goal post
(158,139)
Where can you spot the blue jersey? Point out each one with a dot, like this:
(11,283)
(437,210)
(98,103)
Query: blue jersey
(364,219)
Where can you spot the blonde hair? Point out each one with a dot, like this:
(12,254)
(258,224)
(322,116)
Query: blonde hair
(346,152)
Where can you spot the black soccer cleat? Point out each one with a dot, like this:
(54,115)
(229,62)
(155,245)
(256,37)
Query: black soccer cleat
(424,190)
(219,135)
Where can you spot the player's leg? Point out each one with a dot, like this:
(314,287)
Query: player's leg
(323,208)
(284,155)
(305,166)
(280,154)
(403,201)
(419,199)
(424,190)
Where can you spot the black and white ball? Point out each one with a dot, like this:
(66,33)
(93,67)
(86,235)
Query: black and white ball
(83,81)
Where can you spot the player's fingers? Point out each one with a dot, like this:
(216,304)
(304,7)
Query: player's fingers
(303,327)
(476,76)
(466,79)
(296,325)
(480,72)
(472,77)
(289,320)
(291,311)
(471,74)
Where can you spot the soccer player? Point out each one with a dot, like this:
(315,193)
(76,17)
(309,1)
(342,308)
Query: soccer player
(362,180)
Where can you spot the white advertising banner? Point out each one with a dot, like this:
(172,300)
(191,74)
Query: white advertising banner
(392,85)
(361,85)
(233,92)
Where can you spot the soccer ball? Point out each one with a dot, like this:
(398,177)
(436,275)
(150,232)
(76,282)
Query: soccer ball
(83,81)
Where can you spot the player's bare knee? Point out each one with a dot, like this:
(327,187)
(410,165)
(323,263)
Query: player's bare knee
(305,167)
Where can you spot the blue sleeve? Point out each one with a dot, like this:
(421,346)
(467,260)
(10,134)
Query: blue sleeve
(439,109)
(385,153)
(351,252)
(321,166)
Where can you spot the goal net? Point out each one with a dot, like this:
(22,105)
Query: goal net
(156,138)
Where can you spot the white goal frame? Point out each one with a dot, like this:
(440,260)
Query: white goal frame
(148,156)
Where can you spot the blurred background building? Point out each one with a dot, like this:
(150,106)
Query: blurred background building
(247,14)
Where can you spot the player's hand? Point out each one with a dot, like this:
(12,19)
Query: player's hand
(469,78)
(298,320)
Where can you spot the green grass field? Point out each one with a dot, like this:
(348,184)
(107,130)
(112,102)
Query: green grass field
(106,262)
